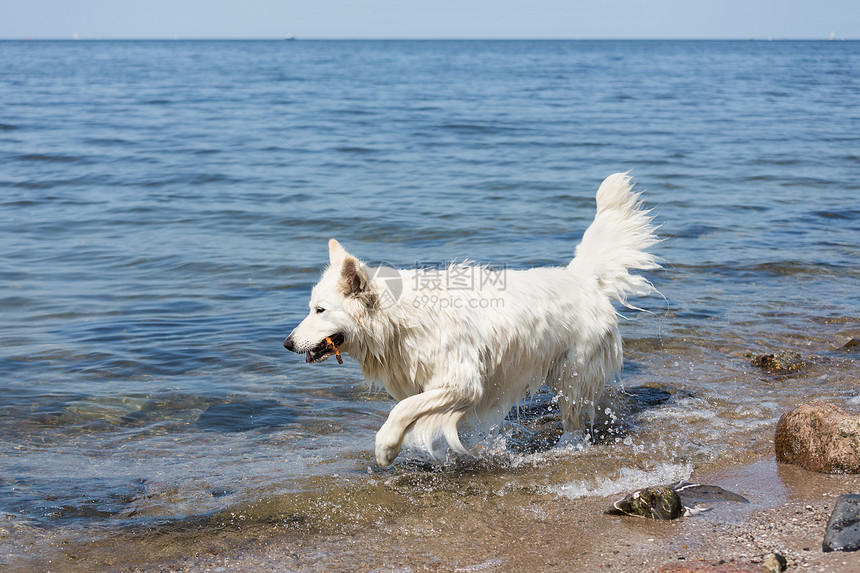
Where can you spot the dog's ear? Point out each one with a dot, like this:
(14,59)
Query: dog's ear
(336,253)
(354,281)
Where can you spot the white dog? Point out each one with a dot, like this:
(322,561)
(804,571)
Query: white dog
(454,356)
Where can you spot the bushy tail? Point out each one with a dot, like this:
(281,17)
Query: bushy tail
(616,240)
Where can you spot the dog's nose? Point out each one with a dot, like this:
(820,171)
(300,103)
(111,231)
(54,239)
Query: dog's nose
(288,344)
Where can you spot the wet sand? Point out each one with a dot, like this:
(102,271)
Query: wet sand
(503,517)
(788,511)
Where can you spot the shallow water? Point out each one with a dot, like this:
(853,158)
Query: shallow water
(166,207)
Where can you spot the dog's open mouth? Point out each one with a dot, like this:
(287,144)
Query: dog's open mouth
(326,348)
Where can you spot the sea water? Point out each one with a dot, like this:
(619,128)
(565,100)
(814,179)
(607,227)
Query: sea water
(165,208)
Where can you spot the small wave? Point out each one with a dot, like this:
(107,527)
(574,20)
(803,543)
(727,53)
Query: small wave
(361,150)
(108,141)
(19,202)
(191,179)
(693,231)
(844,214)
(51,158)
(467,127)
(53,499)
(52,183)
(785,268)
(761,178)
(810,182)
(627,479)
(8,127)
(354,112)
(780,162)
(244,416)
(765,269)
(656,161)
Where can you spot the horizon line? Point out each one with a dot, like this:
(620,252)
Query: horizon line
(422,39)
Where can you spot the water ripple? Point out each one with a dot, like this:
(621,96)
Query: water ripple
(160,238)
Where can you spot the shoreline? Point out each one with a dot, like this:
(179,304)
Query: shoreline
(477,529)
(542,514)
(488,518)
(787,514)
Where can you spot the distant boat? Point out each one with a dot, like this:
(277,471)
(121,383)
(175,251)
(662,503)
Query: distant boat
(832,35)
(290,38)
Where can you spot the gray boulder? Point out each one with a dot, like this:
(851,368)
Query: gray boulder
(843,529)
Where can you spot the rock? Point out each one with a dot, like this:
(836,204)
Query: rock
(693,493)
(535,425)
(843,529)
(774,563)
(852,345)
(660,502)
(546,435)
(780,362)
(716,567)
(819,437)
(672,501)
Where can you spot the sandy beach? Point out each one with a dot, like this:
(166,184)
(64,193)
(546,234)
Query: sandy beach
(787,514)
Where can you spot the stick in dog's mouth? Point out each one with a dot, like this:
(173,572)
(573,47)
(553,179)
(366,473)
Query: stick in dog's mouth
(333,346)
(326,348)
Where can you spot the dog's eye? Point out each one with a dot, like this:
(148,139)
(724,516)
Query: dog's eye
(319,310)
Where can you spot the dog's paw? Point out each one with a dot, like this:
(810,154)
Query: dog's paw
(386,449)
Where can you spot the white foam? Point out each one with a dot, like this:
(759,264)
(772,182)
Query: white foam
(628,479)
(489,564)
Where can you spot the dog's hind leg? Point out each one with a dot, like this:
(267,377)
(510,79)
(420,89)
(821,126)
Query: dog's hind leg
(580,378)
(445,405)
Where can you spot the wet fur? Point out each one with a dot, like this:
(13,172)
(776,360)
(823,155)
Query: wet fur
(451,367)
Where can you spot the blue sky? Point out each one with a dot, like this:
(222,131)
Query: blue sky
(429,18)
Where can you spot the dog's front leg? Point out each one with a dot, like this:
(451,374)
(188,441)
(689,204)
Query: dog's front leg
(389,438)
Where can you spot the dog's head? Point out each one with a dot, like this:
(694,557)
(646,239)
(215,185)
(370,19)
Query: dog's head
(338,302)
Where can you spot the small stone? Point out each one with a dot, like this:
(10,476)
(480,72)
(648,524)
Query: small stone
(774,563)
(843,529)
(853,345)
(819,437)
(661,502)
(780,362)
(716,567)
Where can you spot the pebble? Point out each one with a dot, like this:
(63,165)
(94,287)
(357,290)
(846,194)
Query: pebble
(716,567)
(779,362)
(774,563)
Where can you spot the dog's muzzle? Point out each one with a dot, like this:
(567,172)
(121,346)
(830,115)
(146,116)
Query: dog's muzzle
(327,347)
(324,349)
